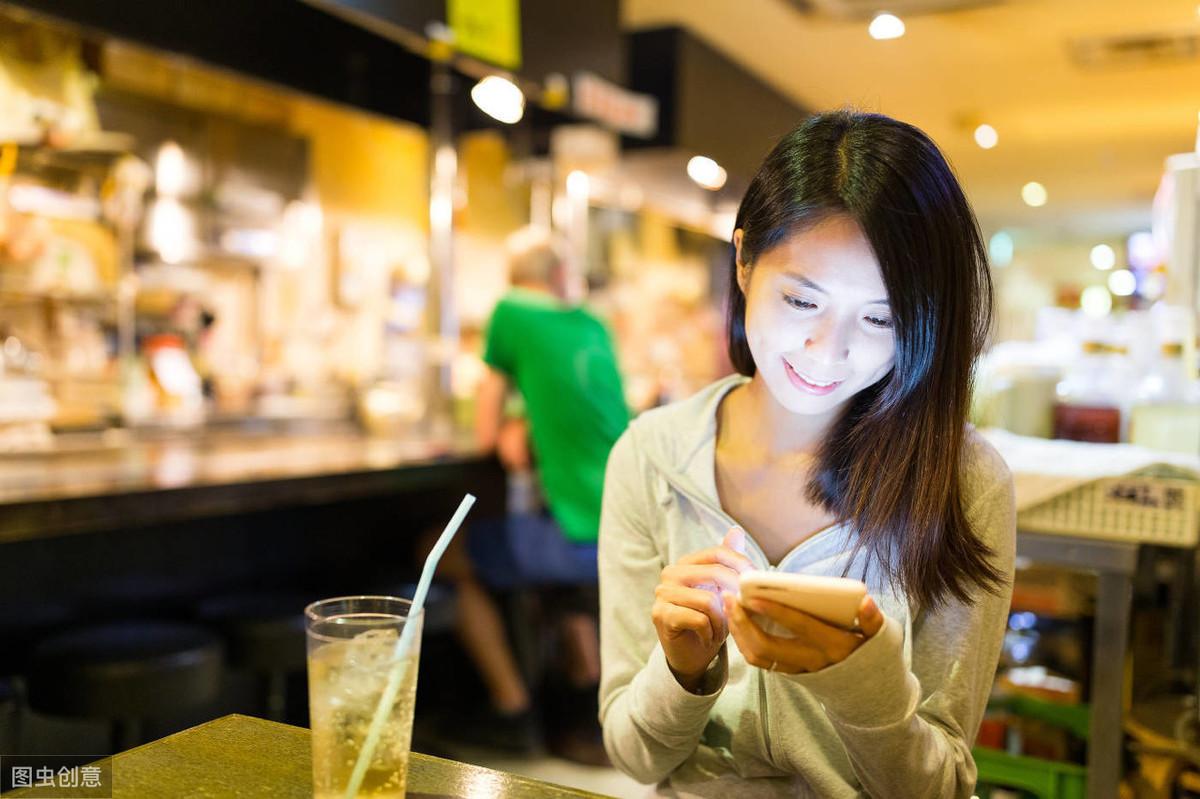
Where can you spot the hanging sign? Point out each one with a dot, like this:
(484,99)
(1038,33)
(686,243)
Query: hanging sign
(617,107)
(489,30)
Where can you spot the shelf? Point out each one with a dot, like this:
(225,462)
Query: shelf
(11,296)
(97,149)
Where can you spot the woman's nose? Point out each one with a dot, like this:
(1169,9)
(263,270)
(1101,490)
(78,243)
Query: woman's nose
(828,343)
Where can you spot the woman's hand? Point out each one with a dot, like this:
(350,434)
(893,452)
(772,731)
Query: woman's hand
(815,645)
(687,608)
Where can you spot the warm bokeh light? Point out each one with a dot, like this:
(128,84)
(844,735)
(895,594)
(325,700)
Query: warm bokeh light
(577,185)
(986,136)
(1034,194)
(1103,257)
(170,170)
(441,196)
(886,26)
(1122,283)
(499,98)
(706,172)
(171,230)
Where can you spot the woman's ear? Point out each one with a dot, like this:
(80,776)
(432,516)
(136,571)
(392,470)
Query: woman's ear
(743,271)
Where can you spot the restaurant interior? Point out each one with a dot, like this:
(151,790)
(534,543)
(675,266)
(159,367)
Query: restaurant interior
(249,253)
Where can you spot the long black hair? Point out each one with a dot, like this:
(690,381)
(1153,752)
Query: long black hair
(892,461)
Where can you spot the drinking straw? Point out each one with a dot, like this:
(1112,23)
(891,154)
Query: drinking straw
(402,646)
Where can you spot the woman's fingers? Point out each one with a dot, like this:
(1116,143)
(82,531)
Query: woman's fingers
(870,620)
(676,619)
(697,599)
(814,646)
(711,576)
(735,539)
(870,617)
(735,561)
(757,647)
(698,594)
(835,643)
(797,621)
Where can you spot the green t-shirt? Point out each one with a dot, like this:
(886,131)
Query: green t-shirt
(562,361)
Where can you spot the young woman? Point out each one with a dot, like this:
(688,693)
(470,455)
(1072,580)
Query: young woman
(859,300)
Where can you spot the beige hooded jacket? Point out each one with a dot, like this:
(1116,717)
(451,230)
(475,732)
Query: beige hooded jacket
(896,719)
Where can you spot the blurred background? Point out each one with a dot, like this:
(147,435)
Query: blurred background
(249,250)
(203,226)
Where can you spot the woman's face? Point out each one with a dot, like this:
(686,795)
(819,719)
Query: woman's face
(817,316)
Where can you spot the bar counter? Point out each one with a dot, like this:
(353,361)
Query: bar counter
(98,483)
(244,756)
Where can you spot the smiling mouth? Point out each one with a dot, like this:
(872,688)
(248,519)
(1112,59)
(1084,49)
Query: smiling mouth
(808,384)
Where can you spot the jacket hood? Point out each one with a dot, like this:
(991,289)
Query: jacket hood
(676,440)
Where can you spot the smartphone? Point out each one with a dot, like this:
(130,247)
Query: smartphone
(834,600)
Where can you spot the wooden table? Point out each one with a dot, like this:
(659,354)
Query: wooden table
(240,756)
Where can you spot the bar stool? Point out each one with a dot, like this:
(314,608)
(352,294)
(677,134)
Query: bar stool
(264,634)
(23,622)
(138,596)
(10,713)
(125,673)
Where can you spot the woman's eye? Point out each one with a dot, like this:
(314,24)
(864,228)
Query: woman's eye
(796,302)
(878,321)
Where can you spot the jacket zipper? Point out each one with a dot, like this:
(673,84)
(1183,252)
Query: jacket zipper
(719,512)
(763,712)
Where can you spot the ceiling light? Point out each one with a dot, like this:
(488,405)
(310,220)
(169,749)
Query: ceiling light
(1122,283)
(1034,194)
(1103,257)
(1095,301)
(886,26)
(986,136)
(499,98)
(706,172)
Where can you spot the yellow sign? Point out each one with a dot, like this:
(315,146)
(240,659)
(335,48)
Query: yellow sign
(489,30)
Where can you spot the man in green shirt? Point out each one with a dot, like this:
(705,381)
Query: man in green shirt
(560,358)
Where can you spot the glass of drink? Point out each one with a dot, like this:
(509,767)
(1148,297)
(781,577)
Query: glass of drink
(351,656)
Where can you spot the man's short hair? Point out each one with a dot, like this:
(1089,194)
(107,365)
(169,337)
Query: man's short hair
(533,256)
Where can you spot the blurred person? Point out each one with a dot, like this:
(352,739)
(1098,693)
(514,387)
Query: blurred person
(859,300)
(560,359)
